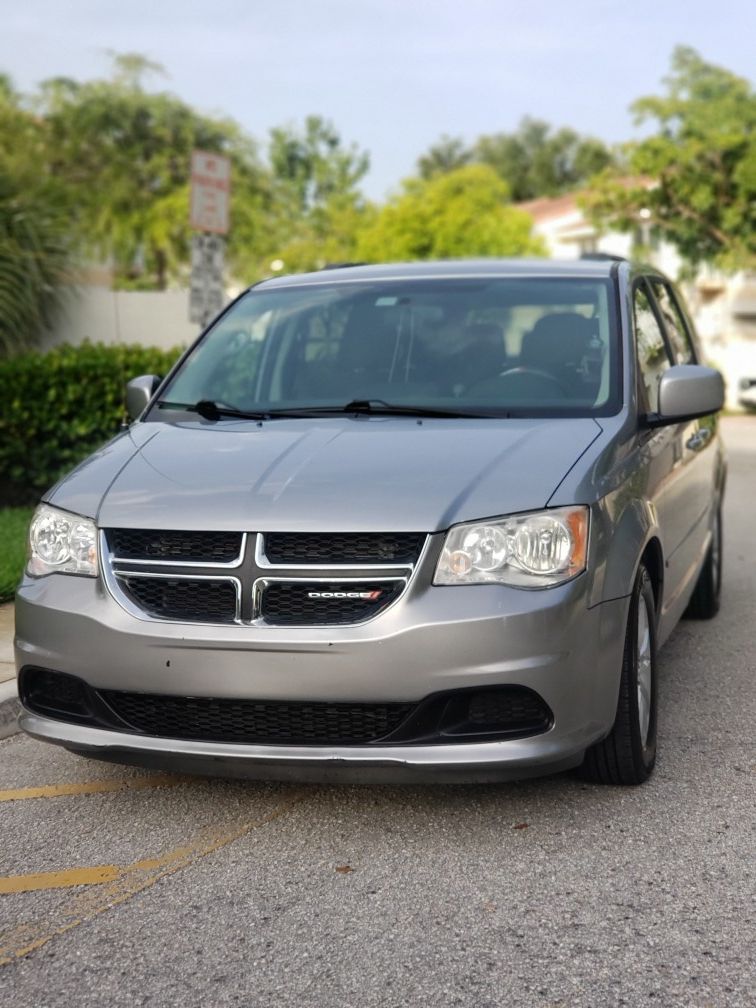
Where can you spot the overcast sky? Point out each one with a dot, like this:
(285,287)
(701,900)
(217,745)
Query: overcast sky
(392,75)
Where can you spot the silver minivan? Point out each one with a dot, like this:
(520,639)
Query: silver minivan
(418,521)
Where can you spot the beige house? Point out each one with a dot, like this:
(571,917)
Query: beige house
(723,307)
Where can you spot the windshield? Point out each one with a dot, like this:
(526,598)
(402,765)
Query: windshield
(483,346)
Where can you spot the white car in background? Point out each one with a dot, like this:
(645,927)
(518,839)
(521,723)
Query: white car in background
(747,393)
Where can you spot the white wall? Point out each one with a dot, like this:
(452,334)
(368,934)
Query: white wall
(99,315)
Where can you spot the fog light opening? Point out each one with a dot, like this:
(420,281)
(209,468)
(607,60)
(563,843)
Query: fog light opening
(55,694)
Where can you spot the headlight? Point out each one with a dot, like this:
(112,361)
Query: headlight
(61,542)
(536,550)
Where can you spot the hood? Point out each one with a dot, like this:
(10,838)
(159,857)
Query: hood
(336,474)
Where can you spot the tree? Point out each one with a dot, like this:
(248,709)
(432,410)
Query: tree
(445,155)
(35,247)
(331,235)
(124,153)
(313,165)
(315,208)
(465,212)
(695,176)
(537,160)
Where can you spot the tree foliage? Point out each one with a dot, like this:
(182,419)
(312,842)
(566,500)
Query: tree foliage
(313,166)
(538,160)
(696,173)
(447,154)
(101,168)
(464,212)
(125,153)
(314,208)
(534,160)
(35,244)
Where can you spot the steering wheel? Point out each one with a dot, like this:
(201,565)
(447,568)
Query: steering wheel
(537,373)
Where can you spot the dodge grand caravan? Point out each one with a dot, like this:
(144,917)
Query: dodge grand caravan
(427,521)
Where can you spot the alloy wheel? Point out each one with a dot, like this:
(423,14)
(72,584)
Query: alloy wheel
(643,669)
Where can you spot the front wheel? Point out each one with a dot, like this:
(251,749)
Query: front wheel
(628,753)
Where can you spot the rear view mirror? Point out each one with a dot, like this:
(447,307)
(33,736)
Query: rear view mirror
(687,391)
(139,391)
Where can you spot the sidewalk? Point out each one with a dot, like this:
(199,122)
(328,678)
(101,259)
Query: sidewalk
(9,707)
(7,667)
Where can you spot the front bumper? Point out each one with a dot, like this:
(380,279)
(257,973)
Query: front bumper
(435,639)
(490,761)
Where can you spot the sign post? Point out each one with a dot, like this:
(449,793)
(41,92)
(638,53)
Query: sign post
(209,204)
(207,294)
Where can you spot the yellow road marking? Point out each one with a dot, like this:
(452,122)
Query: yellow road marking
(135,878)
(60,879)
(91,787)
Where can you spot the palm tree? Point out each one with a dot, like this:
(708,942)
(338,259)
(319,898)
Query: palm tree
(35,247)
(34,265)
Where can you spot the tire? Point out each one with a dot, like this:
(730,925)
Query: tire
(628,754)
(704,602)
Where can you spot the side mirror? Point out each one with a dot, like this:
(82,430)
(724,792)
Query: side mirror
(139,391)
(687,391)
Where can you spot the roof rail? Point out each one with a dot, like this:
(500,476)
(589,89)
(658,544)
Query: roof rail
(603,256)
(342,265)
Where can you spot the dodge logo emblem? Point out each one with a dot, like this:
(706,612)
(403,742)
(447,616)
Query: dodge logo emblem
(371,596)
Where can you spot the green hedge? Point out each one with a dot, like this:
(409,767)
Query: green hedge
(57,407)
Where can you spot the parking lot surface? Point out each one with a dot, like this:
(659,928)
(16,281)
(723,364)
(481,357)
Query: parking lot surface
(123,887)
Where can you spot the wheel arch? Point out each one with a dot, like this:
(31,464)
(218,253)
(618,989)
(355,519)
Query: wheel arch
(652,559)
(629,538)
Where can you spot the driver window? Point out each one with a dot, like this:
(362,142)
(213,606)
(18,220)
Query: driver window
(653,356)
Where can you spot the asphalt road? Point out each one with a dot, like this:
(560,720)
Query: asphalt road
(544,893)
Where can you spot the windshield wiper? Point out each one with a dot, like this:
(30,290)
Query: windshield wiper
(378,407)
(210,410)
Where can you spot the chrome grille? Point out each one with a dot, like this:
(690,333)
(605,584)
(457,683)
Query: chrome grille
(230,577)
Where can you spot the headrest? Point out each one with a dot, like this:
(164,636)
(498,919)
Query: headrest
(558,339)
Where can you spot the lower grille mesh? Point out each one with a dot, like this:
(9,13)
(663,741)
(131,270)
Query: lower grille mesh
(516,707)
(251,721)
(451,716)
(195,599)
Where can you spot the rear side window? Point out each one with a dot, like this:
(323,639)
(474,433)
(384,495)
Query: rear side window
(653,357)
(674,323)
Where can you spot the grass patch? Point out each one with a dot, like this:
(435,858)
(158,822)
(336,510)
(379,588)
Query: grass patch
(14,523)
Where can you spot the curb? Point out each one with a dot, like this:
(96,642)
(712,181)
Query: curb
(10,708)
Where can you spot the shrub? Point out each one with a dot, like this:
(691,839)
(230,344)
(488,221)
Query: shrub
(59,406)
